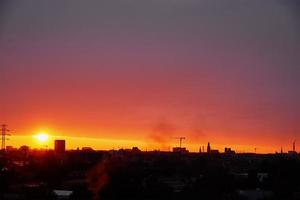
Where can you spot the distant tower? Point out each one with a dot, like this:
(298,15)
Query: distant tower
(4,133)
(281,151)
(59,146)
(294,146)
(200,150)
(208,148)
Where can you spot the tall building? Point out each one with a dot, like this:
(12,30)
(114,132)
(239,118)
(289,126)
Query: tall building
(208,148)
(59,146)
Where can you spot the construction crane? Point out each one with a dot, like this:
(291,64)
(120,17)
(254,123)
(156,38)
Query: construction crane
(180,140)
(4,133)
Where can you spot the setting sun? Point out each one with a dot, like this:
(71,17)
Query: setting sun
(42,137)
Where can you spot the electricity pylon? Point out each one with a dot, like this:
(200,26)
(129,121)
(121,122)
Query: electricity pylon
(3,136)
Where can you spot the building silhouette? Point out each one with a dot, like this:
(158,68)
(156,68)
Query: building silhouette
(293,152)
(180,150)
(208,148)
(228,150)
(59,146)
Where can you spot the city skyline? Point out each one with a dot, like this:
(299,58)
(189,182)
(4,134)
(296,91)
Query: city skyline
(43,140)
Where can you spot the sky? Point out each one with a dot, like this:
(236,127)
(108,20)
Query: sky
(122,73)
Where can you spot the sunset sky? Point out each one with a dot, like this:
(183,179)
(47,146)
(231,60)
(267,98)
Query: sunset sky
(123,73)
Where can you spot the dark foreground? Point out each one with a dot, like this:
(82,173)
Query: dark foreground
(147,175)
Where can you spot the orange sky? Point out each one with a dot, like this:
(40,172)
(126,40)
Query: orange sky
(150,142)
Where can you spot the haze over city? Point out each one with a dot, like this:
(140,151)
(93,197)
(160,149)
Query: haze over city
(118,74)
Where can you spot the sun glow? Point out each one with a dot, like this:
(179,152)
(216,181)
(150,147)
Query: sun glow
(42,137)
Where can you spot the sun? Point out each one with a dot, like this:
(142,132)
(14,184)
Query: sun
(42,137)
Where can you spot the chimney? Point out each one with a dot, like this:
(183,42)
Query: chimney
(294,145)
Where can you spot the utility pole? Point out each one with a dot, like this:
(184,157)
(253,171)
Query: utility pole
(4,133)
